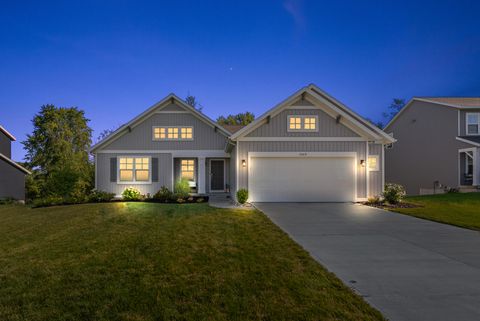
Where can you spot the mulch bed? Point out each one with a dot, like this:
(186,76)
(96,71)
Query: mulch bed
(392,206)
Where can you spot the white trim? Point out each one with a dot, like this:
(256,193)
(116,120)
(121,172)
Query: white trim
(7,133)
(179,139)
(467,141)
(367,171)
(238,168)
(210,176)
(470,149)
(299,139)
(96,169)
(302,124)
(473,150)
(478,124)
(14,164)
(301,107)
(149,182)
(175,153)
(354,155)
(383,168)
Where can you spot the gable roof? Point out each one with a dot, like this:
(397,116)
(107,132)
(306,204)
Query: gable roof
(336,107)
(452,102)
(171,98)
(14,164)
(10,136)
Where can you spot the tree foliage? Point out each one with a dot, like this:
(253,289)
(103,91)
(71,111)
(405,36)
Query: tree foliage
(104,134)
(396,105)
(57,150)
(192,101)
(238,119)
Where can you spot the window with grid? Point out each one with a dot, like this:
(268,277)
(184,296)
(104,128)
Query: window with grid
(134,169)
(159,133)
(310,123)
(187,169)
(295,123)
(473,123)
(186,132)
(172,132)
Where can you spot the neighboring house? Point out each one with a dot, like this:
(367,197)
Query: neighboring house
(309,148)
(12,175)
(438,144)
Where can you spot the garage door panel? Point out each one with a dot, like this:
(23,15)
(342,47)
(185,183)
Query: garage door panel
(291,179)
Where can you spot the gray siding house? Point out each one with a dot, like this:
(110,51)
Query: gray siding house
(12,175)
(438,145)
(308,148)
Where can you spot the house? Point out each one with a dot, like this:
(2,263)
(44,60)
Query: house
(12,175)
(308,148)
(438,144)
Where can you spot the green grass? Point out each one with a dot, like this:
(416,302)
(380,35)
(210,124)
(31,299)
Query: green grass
(143,261)
(460,209)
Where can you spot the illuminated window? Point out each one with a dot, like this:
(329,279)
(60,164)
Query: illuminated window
(373,163)
(310,123)
(172,133)
(186,132)
(134,169)
(187,169)
(295,123)
(302,123)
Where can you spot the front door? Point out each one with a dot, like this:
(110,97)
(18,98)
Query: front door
(217,175)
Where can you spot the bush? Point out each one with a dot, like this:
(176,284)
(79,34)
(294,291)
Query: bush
(8,201)
(48,201)
(163,195)
(182,188)
(242,195)
(394,193)
(375,200)
(131,194)
(100,196)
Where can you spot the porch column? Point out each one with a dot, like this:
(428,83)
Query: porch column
(201,175)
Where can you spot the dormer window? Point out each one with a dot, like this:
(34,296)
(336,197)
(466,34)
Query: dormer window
(473,123)
(302,123)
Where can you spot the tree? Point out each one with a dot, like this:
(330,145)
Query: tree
(104,134)
(396,105)
(192,101)
(238,119)
(58,152)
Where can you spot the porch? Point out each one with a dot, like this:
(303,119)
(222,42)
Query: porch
(205,175)
(469,168)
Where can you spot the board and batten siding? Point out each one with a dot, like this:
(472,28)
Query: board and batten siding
(141,137)
(463,119)
(327,126)
(375,178)
(103,173)
(244,147)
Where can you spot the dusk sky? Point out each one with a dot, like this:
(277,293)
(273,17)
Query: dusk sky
(114,59)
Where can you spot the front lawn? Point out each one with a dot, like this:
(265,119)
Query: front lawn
(143,261)
(461,209)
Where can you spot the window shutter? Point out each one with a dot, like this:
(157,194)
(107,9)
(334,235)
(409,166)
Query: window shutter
(154,169)
(113,169)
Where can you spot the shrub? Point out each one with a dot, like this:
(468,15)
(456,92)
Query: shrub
(131,194)
(375,200)
(100,196)
(48,201)
(163,195)
(182,188)
(394,193)
(242,195)
(8,201)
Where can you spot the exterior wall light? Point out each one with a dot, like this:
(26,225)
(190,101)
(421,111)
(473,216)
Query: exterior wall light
(244,163)
(362,162)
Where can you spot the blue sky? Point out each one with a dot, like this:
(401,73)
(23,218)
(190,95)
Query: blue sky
(116,58)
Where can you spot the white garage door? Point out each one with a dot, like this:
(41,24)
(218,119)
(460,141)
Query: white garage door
(302,179)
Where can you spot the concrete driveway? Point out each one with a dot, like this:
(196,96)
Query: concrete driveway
(408,268)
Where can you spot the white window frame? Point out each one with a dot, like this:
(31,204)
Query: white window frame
(134,182)
(302,124)
(173,139)
(377,167)
(467,123)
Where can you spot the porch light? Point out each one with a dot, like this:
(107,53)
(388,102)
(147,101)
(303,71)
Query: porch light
(362,162)
(244,163)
